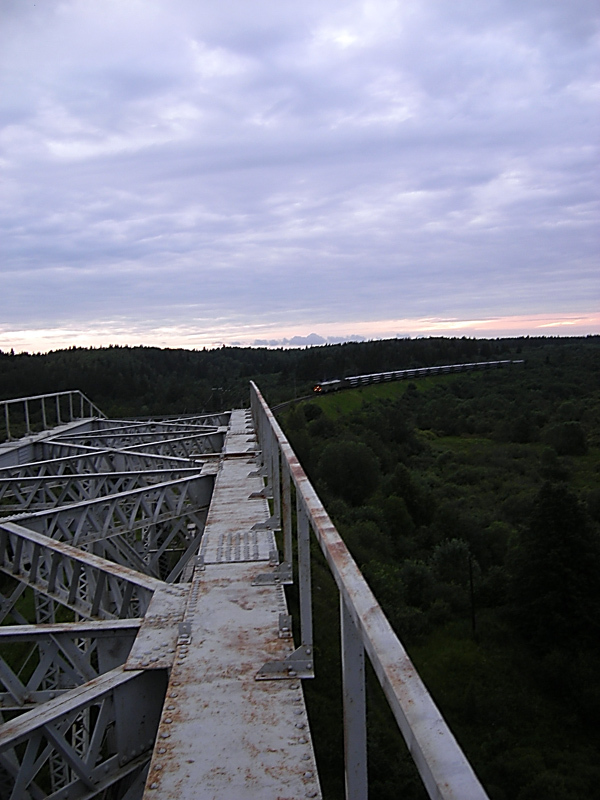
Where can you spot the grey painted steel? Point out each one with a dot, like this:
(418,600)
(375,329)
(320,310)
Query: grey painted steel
(85,583)
(446,773)
(127,703)
(94,508)
(127,501)
(355,707)
(57,653)
(155,643)
(44,492)
(286,512)
(188,446)
(223,734)
(92,461)
(88,693)
(304,581)
(119,520)
(25,404)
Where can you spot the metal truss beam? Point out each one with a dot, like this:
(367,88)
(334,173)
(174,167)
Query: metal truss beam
(31,653)
(38,493)
(126,710)
(190,446)
(93,515)
(138,432)
(93,460)
(142,524)
(87,584)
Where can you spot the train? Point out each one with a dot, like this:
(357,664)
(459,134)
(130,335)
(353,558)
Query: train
(354,381)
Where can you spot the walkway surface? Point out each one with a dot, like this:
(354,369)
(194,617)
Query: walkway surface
(222,733)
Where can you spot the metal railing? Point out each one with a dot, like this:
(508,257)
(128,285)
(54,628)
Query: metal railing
(45,411)
(443,767)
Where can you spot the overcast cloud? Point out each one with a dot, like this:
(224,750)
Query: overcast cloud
(186,173)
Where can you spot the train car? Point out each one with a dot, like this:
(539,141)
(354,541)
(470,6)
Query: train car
(328,386)
(354,381)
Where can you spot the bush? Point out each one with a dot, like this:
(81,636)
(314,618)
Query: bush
(567,438)
(350,470)
(554,585)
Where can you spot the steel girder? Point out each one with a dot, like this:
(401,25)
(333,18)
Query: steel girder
(36,493)
(122,710)
(134,527)
(93,460)
(91,586)
(186,446)
(39,650)
(86,533)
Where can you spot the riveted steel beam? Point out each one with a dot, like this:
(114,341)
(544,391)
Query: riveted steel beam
(122,730)
(85,583)
(56,650)
(43,492)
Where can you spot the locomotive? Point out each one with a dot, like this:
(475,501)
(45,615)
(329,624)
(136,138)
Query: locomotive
(405,374)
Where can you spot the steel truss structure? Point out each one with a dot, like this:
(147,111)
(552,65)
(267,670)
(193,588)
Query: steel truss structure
(100,523)
(146,648)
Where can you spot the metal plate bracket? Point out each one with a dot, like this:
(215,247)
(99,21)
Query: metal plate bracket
(185,633)
(265,493)
(285,626)
(282,574)
(258,473)
(272,524)
(298,664)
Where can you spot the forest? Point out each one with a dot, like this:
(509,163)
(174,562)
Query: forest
(150,380)
(470,501)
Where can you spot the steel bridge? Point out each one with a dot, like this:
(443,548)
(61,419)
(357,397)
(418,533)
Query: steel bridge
(146,645)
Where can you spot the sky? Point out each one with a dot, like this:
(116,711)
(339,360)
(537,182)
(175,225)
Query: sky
(188,174)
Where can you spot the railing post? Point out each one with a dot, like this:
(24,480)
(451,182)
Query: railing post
(286,511)
(27,428)
(58,419)
(44,423)
(275,478)
(71,406)
(267,458)
(304,582)
(355,718)
(7,418)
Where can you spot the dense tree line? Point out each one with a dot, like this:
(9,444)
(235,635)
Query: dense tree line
(150,380)
(471,503)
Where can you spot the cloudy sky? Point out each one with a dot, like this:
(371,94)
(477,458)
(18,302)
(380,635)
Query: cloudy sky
(197,172)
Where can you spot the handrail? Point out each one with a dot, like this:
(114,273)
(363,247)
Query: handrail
(443,767)
(74,398)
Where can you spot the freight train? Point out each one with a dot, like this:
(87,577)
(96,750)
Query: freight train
(405,374)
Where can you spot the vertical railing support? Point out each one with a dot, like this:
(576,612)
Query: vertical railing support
(304,582)
(27,426)
(58,419)
(355,717)
(44,422)
(7,418)
(286,512)
(275,479)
